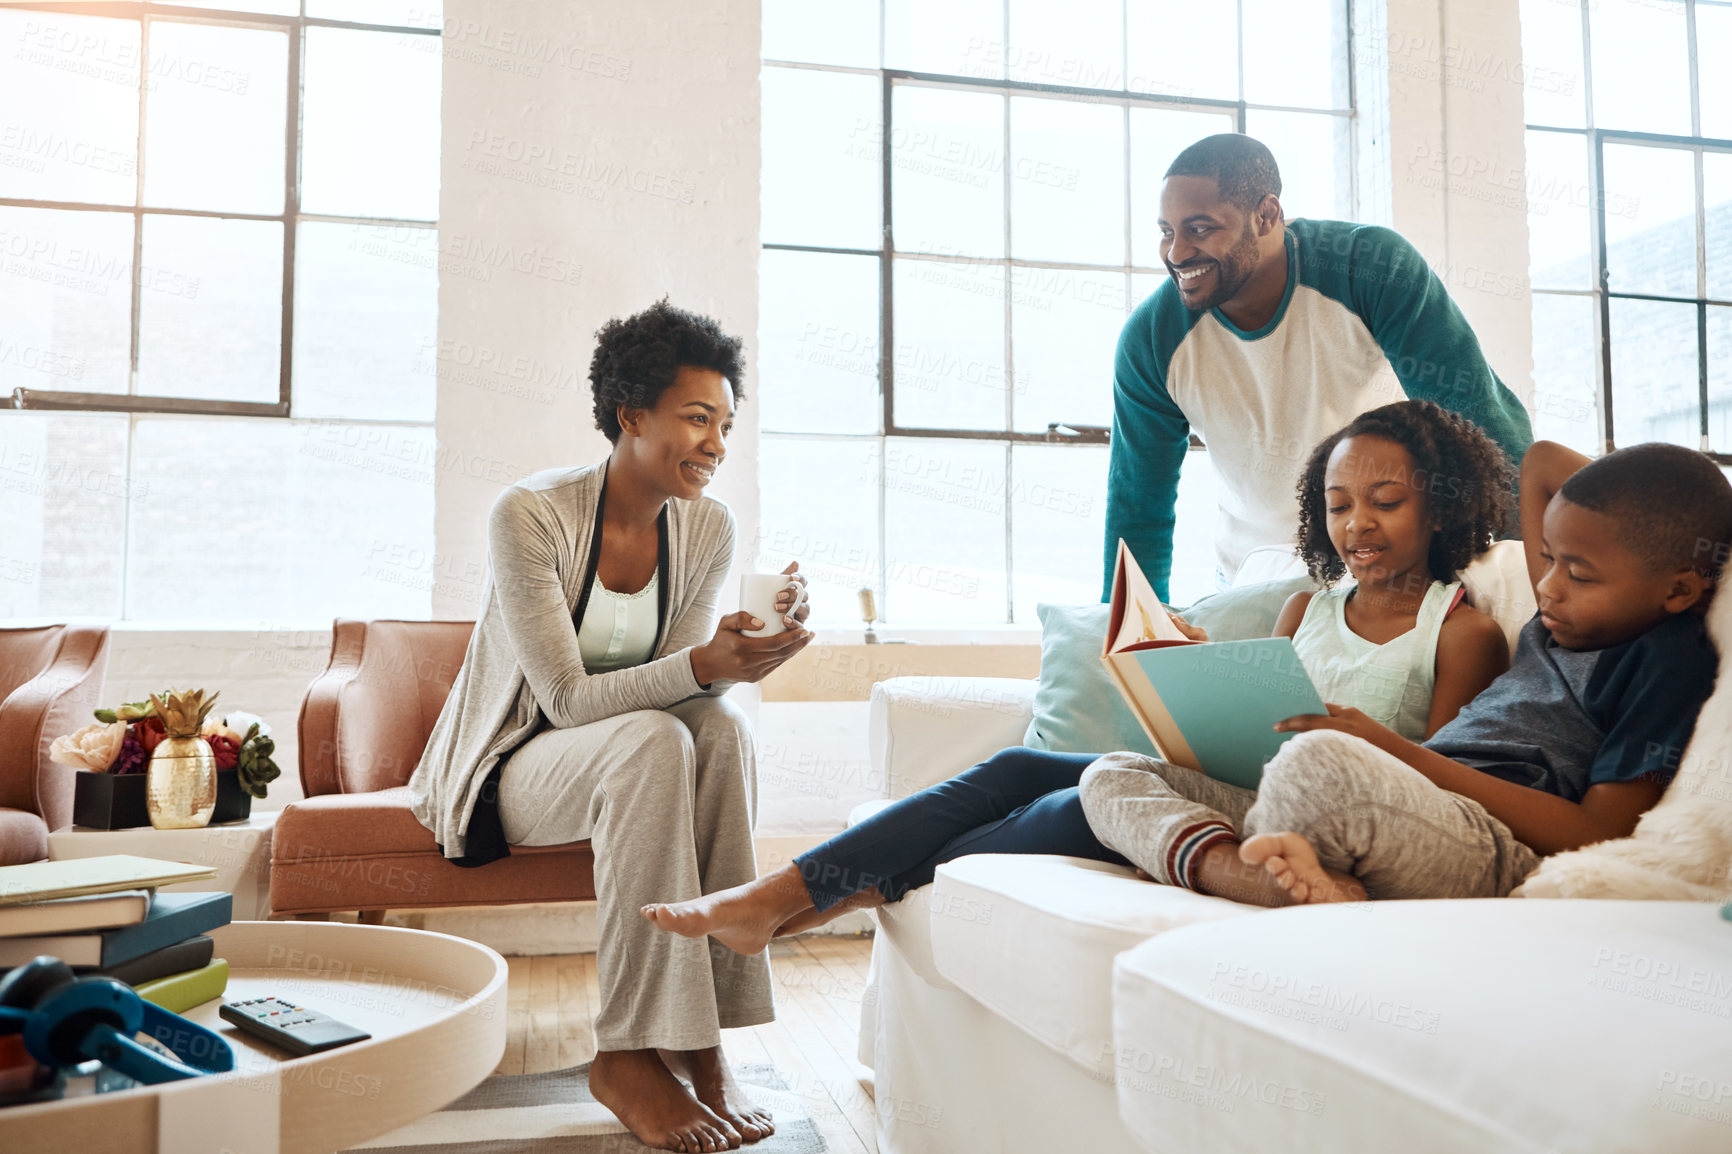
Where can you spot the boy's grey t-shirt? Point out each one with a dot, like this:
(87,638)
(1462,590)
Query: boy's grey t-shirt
(1561,720)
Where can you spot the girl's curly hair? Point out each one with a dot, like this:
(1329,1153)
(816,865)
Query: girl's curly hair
(1468,480)
(636,359)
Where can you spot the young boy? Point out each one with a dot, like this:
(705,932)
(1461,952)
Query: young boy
(1570,746)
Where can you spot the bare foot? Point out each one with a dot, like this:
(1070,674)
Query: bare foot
(645,1096)
(744,918)
(869,899)
(1290,860)
(713,1083)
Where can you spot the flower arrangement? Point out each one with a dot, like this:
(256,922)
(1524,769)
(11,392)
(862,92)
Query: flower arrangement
(123,739)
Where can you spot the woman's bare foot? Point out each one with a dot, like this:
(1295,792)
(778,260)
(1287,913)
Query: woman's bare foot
(869,899)
(744,918)
(645,1096)
(713,1084)
(1292,862)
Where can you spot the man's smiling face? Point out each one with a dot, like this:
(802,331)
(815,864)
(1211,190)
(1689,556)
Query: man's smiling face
(1208,244)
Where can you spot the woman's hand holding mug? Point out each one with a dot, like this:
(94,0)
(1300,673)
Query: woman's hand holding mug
(750,644)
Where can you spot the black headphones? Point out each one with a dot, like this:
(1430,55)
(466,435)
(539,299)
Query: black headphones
(66,1019)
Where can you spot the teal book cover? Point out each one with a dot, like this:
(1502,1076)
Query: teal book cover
(1222,700)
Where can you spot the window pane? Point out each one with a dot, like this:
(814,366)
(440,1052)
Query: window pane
(253,519)
(949,355)
(1566,390)
(66,300)
(1311,153)
(1720,378)
(1156,69)
(63,513)
(1079,45)
(1641,65)
(944,532)
(841,32)
(1650,221)
(78,78)
(823,138)
(1143,285)
(1067,189)
(818,348)
(273,7)
(948,182)
(215,118)
(1552,90)
(818,505)
(1157,137)
(405,13)
(366,318)
(1559,223)
(1656,389)
(1295,53)
(370,117)
(1717,190)
(959,37)
(1198,510)
(1713,50)
(221,338)
(1065,329)
(1057,508)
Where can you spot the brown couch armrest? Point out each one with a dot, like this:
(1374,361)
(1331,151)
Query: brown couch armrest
(316,725)
(57,700)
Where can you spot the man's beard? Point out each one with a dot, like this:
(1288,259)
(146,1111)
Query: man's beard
(1232,272)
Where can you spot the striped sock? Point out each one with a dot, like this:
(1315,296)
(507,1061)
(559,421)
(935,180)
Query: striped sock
(1185,853)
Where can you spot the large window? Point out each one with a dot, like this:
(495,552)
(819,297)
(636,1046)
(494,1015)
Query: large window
(218,275)
(959,207)
(1629,191)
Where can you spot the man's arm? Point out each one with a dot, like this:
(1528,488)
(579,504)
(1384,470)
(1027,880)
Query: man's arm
(1428,341)
(1544,822)
(1150,439)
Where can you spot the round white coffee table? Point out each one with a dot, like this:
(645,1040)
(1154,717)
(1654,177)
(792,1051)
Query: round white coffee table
(434,1004)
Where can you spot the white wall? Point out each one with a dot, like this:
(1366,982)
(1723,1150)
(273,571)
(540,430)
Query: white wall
(1442,158)
(627,172)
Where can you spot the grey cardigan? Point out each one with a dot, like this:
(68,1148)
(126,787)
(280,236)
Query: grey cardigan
(522,671)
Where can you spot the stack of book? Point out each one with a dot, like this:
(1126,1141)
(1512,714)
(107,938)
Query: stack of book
(103,915)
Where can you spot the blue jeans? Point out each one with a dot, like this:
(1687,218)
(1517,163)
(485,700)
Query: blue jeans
(1016,801)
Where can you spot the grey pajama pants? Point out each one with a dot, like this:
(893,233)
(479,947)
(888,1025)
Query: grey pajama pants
(1366,812)
(668,796)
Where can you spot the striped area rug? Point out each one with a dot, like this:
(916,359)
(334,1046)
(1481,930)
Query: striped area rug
(554,1113)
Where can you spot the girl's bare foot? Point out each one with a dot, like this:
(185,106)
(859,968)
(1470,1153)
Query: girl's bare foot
(645,1096)
(744,918)
(713,1084)
(1290,860)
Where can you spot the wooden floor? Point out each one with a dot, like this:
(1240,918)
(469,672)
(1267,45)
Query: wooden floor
(820,982)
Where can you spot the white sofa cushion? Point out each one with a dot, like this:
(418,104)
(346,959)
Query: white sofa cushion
(1033,939)
(923,730)
(1490,1026)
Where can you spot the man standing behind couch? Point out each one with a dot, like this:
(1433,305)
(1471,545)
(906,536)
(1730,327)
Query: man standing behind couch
(1269,335)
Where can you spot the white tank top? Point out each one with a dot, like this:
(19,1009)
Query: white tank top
(618,630)
(1391,683)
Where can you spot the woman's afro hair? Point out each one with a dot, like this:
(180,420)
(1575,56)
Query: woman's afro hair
(1468,481)
(636,359)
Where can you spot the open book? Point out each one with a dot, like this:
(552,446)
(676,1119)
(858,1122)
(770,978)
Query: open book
(1210,706)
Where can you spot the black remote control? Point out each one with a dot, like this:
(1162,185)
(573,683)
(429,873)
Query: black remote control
(294,1028)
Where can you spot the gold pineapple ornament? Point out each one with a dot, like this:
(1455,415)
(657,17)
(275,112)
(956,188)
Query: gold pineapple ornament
(182,787)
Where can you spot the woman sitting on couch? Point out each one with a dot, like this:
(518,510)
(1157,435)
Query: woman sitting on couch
(1398,645)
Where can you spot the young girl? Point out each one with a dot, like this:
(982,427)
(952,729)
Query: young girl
(1402,499)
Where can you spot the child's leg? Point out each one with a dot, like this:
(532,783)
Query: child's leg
(1366,813)
(1163,817)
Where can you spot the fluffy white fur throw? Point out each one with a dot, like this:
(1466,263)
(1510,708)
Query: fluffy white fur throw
(1682,848)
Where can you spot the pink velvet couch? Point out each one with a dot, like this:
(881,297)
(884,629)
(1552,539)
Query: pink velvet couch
(50,682)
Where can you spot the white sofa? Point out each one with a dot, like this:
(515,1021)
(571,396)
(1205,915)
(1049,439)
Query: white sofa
(1055,1005)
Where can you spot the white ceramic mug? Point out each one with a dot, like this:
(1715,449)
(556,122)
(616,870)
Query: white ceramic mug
(758,593)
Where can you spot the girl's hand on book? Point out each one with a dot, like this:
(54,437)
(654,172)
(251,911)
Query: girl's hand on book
(1344,719)
(1185,627)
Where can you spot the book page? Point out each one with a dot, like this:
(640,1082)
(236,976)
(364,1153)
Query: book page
(1137,615)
